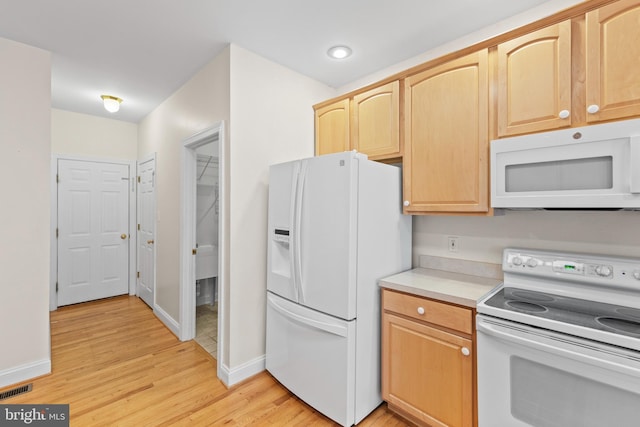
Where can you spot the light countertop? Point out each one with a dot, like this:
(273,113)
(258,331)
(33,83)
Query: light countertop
(455,288)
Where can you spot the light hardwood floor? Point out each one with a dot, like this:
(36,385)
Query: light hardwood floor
(116,364)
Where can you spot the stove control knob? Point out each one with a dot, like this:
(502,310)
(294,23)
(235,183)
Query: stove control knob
(516,261)
(603,270)
(636,274)
(532,262)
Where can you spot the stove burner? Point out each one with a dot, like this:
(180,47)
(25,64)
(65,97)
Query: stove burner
(526,306)
(627,326)
(532,296)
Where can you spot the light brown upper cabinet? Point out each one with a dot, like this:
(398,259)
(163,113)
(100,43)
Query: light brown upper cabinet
(332,128)
(371,120)
(375,128)
(613,61)
(534,81)
(446,137)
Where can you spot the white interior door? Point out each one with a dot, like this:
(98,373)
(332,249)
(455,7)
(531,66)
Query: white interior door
(93,225)
(146,230)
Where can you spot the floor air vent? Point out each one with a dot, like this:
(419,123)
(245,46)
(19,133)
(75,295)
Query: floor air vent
(16,391)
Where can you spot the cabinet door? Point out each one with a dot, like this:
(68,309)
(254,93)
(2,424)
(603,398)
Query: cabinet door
(534,81)
(426,373)
(375,128)
(332,128)
(613,61)
(446,137)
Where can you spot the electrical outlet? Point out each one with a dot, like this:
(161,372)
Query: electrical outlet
(452,242)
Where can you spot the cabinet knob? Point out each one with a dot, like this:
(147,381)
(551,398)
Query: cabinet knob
(593,108)
(465,351)
(420,311)
(564,114)
(406,203)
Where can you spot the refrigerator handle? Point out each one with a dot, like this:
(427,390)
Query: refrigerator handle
(298,234)
(312,323)
(294,230)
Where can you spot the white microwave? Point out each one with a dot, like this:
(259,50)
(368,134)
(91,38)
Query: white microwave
(591,167)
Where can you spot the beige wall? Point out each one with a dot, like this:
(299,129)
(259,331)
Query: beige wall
(272,122)
(91,136)
(200,103)
(25,158)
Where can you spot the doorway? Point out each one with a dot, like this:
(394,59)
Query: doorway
(207,214)
(202,266)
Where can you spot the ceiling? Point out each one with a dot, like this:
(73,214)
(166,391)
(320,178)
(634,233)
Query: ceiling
(144,50)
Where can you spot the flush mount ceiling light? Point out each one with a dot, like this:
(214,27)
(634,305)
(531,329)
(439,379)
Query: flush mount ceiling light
(339,52)
(111,103)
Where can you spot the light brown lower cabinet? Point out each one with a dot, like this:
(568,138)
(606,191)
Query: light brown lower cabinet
(428,360)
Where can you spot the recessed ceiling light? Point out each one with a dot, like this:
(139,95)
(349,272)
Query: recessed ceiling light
(339,52)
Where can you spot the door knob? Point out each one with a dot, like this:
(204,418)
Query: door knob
(150,242)
(123,236)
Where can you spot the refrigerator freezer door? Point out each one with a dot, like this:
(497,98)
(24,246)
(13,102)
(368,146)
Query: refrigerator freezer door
(280,261)
(313,355)
(326,267)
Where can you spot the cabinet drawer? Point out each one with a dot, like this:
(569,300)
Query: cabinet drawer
(448,316)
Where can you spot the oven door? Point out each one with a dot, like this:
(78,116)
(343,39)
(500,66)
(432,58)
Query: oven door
(533,377)
(591,167)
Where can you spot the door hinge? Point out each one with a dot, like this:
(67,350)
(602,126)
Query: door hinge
(138,227)
(57,232)
(138,178)
(57,178)
(194,251)
(56,286)
(138,274)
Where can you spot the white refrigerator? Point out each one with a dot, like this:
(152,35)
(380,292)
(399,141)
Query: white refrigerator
(335,228)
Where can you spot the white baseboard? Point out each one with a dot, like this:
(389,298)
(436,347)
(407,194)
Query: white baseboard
(168,321)
(248,369)
(25,372)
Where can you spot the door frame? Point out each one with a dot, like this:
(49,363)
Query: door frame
(188,235)
(144,159)
(53,267)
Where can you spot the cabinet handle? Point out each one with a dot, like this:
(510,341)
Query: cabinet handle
(593,108)
(564,114)
(465,351)
(406,203)
(420,311)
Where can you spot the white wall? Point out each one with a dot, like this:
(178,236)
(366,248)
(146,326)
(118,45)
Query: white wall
(268,117)
(272,122)
(91,136)
(25,156)
(197,105)
(484,238)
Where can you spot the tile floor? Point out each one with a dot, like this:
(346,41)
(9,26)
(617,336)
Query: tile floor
(207,328)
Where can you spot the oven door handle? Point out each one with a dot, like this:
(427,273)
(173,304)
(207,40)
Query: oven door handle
(522,337)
